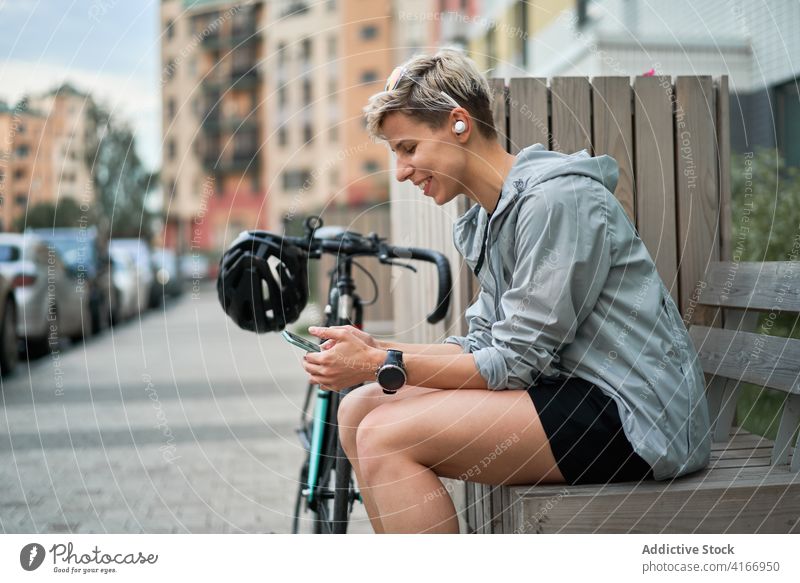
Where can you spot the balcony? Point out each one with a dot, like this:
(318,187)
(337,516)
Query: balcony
(295,8)
(242,33)
(215,122)
(244,159)
(244,79)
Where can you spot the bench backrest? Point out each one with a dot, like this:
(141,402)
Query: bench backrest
(671,140)
(736,354)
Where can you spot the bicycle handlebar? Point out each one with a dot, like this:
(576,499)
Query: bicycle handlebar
(353,244)
(443,273)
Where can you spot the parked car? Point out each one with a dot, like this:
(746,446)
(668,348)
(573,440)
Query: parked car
(8,327)
(168,276)
(126,284)
(85,255)
(49,303)
(194,267)
(140,252)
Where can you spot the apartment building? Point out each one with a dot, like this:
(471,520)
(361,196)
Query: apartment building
(213,121)
(43,152)
(327,58)
(262,120)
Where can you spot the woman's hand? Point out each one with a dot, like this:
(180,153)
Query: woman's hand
(348,357)
(363,336)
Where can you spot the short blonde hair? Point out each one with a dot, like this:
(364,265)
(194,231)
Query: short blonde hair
(418,93)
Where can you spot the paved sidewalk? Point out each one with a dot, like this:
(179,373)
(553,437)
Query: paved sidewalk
(178,422)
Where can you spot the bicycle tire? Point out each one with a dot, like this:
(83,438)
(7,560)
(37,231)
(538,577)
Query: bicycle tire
(302,484)
(343,493)
(322,505)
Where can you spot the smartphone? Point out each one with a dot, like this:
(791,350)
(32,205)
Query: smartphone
(300,342)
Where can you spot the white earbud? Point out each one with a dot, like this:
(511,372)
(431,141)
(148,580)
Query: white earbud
(460,127)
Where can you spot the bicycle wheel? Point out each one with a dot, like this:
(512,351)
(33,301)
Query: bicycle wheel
(302,485)
(322,503)
(344,493)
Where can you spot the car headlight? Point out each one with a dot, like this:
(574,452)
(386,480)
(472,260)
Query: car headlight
(162,276)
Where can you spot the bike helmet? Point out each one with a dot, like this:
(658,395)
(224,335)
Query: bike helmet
(262,282)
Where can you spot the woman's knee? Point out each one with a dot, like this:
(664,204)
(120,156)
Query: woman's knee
(356,404)
(380,435)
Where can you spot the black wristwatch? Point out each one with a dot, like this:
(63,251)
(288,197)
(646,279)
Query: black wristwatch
(392,373)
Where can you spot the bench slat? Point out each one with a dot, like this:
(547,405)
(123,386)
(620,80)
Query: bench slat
(750,500)
(768,361)
(760,286)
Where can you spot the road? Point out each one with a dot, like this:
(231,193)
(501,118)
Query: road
(175,422)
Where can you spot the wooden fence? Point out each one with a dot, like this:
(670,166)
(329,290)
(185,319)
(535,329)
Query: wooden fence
(671,140)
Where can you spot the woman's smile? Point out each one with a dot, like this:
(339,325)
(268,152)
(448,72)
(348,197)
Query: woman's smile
(427,186)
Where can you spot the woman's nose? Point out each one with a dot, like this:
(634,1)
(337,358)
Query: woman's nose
(404,171)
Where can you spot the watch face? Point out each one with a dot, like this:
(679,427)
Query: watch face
(391,377)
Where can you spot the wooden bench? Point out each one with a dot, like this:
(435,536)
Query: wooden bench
(752,484)
(671,139)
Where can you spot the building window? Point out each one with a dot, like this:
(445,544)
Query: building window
(369,32)
(306,91)
(296,179)
(19,174)
(281,54)
(369,77)
(283,136)
(169,29)
(333,133)
(331,48)
(308,133)
(171,149)
(169,70)
(294,7)
(305,50)
(371,167)
(21,151)
(21,200)
(171,108)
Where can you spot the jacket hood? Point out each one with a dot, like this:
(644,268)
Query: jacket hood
(534,165)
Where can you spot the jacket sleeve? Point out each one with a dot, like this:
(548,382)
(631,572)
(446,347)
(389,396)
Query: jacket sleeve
(479,325)
(563,256)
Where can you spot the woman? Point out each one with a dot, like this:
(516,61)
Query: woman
(571,309)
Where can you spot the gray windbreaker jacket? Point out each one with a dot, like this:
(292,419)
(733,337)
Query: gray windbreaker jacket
(569,289)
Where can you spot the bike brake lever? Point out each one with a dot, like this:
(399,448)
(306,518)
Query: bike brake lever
(387,261)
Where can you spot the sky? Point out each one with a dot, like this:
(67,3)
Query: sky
(109,48)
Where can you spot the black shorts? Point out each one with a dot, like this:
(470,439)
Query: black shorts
(585,433)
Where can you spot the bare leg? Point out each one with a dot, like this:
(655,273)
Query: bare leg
(352,409)
(491,437)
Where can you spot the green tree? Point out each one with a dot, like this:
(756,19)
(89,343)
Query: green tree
(765,204)
(47,215)
(121,182)
(765,208)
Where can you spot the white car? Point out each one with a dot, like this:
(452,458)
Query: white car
(126,284)
(139,251)
(49,300)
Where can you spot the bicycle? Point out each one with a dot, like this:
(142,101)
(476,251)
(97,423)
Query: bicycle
(326,487)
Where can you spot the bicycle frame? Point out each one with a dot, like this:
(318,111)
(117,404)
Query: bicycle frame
(344,307)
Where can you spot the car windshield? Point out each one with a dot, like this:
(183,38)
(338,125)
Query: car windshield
(75,251)
(9,253)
